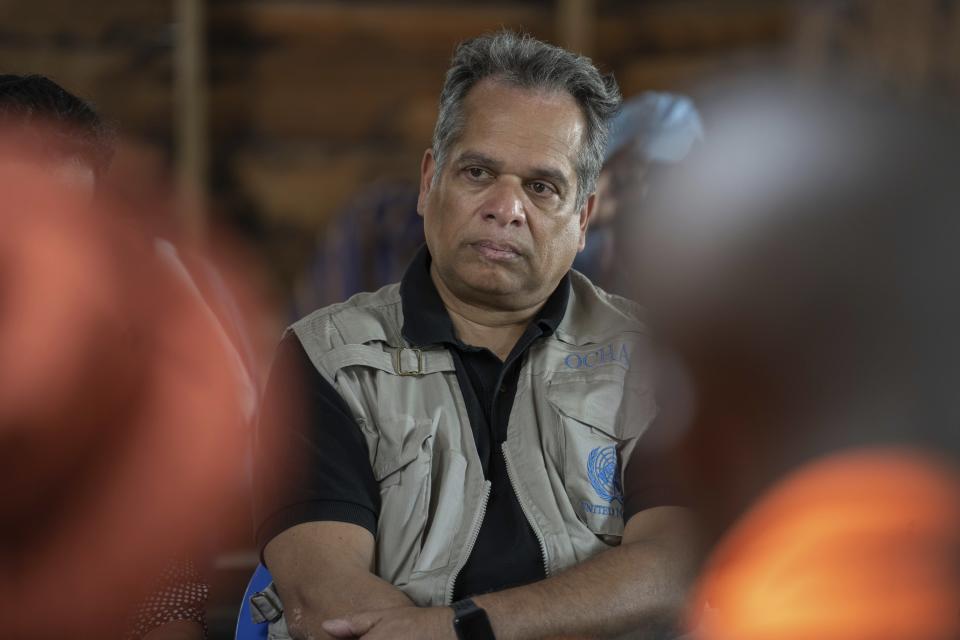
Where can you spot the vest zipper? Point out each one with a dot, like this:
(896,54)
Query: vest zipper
(472,540)
(526,512)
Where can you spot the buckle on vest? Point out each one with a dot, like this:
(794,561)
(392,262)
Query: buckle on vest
(265,606)
(409,372)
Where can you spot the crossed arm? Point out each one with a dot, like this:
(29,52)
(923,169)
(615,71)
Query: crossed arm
(323,571)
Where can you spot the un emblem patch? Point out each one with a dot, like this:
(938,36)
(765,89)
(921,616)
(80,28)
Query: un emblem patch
(603,470)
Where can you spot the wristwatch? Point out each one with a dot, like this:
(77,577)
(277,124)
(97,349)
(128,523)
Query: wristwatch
(470,621)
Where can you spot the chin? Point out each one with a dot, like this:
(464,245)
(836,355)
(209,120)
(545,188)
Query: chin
(489,283)
(491,286)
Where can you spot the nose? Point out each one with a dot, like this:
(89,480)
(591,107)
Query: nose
(504,204)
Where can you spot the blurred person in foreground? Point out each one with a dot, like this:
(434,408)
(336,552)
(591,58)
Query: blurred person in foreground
(119,390)
(804,266)
(472,461)
(652,131)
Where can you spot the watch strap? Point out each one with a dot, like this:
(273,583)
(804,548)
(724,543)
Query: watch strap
(470,621)
(467,605)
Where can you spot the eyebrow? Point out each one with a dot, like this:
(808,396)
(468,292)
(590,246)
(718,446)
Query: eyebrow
(475,157)
(550,174)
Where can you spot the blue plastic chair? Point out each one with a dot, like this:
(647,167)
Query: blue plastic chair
(247,629)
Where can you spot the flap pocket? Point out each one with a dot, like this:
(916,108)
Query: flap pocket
(402,440)
(402,467)
(593,400)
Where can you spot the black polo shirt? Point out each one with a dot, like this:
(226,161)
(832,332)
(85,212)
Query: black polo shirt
(326,466)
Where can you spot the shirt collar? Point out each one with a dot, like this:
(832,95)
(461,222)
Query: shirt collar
(426,321)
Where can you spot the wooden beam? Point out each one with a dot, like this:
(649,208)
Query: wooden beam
(192,139)
(576,25)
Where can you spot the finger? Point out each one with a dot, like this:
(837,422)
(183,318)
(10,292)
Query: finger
(338,628)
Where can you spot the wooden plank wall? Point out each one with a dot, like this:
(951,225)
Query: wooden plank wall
(118,54)
(311,100)
(908,47)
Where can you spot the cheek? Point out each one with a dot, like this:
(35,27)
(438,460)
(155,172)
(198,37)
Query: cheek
(448,211)
(435,214)
(443,223)
(558,239)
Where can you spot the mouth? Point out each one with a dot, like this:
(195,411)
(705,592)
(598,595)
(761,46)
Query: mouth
(499,251)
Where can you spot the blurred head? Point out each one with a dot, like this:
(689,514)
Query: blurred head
(804,266)
(507,188)
(121,408)
(45,124)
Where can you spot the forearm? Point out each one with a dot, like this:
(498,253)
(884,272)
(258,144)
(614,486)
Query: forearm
(324,570)
(640,585)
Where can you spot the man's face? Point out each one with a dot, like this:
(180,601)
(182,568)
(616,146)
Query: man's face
(500,221)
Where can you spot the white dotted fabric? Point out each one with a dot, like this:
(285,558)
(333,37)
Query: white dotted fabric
(180,594)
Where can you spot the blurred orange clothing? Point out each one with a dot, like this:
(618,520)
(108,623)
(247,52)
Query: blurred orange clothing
(861,545)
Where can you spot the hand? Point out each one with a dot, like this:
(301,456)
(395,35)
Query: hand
(401,623)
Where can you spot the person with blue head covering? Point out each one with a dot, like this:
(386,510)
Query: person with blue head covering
(662,126)
(651,129)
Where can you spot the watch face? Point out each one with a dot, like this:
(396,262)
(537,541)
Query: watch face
(473,625)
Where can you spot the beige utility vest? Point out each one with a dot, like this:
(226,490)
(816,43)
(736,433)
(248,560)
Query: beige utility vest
(583,399)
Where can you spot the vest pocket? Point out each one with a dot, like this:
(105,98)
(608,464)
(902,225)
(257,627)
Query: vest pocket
(446,512)
(402,467)
(591,448)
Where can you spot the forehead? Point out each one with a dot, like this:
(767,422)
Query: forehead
(69,176)
(522,126)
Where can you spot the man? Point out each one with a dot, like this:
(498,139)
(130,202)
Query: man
(474,433)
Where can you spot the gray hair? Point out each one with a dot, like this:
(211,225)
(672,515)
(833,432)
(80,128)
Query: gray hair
(526,62)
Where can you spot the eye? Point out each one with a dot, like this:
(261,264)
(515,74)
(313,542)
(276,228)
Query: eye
(477,173)
(542,188)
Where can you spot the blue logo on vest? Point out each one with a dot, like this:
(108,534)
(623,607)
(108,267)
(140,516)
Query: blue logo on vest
(609,354)
(602,468)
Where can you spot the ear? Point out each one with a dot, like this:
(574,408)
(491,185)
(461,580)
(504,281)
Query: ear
(586,212)
(427,166)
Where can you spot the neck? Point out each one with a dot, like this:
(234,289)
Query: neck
(481,326)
